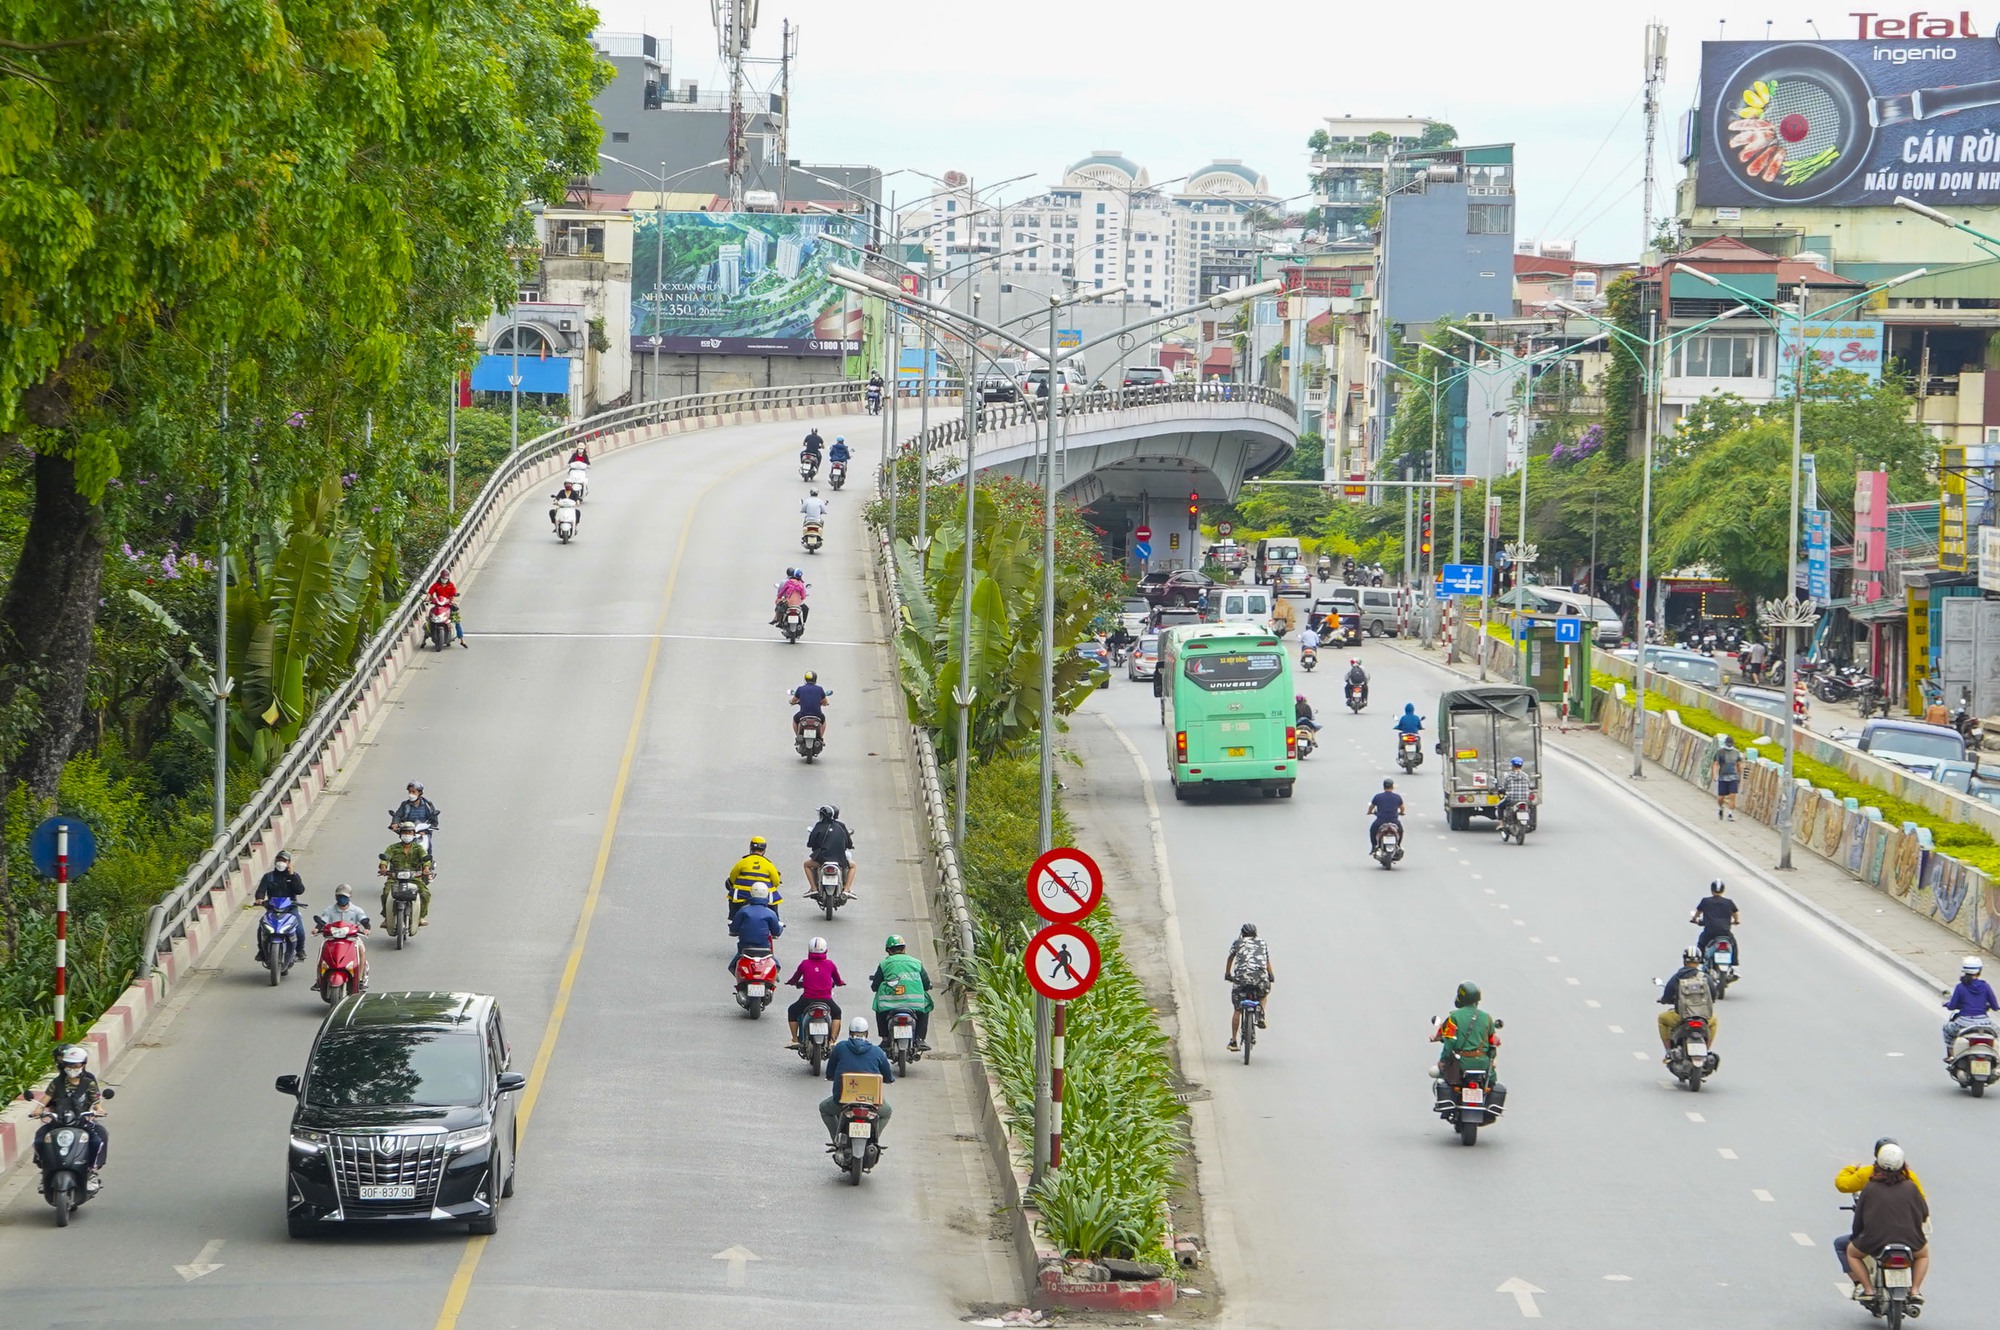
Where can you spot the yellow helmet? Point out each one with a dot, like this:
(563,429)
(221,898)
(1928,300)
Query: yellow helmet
(757,844)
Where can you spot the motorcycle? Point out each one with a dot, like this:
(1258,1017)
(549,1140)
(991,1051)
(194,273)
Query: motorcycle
(1689,1057)
(281,939)
(579,476)
(811,738)
(1357,697)
(1514,823)
(1892,1273)
(1834,685)
(901,1041)
(856,1150)
(1325,570)
(1972,1062)
(339,961)
(1388,846)
(792,623)
(808,464)
(64,1153)
(815,1034)
(811,538)
(1304,743)
(829,887)
(565,521)
(1474,1103)
(1308,659)
(403,894)
(756,980)
(437,625)
(1718,963)
(836,474)
(1409,752)
(874,401)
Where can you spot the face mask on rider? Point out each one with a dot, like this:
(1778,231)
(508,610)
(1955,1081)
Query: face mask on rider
(407,838)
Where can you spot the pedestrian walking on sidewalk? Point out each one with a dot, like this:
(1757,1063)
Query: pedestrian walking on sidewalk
(1727,764)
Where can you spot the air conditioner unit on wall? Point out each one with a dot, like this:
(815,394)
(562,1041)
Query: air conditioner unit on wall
(567,325)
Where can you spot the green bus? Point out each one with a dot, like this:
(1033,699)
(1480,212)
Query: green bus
(1226,700)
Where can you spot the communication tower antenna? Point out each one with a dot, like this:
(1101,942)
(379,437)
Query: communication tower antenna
(734,22)
(1656,76)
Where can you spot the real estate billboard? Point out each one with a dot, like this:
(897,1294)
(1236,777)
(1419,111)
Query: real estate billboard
(1852,123)
(740,283)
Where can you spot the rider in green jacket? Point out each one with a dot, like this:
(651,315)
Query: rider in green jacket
(901,984)
(407,853)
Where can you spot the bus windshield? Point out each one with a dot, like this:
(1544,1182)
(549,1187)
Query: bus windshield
(1233,671)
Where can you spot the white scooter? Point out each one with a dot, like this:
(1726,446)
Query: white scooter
(579,476)
(566,515)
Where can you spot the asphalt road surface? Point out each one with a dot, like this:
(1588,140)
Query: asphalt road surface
(1608,1195)
(603,751)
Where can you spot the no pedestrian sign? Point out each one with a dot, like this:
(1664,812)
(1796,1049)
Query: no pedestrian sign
(1065,885)
(1062,962)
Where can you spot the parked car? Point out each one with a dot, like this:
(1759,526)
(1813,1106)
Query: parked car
(1152,587)
(404,1113)
(1912,744)
(1100,661)
(1184,586)
(1144,662)
(1145,376)
(1770,701)
(1703,671)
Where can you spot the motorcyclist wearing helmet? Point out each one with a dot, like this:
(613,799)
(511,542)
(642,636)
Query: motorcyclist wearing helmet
(1682,1000)
(817,976)
(810,698)
(1302,713)
(839,452)
(1853,1178)
(74,1087)
(416,807)
(345,911)
(859,1054)
(830,842)
(756,927)
(1308,640)
(408,854)
(282,883)
(813,508)
(1248,971)
(1716,914)
(1471,1041)
(568,499)
(1409,722)
(1517,787)
(754,869)
(813,442)
(792,591)
(1970,1003)
(1890,1209)
(1357,679)
(1386,808)
(901,983)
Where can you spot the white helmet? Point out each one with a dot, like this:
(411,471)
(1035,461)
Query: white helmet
(858,1027)
(817,946)
(760,893)
(1890,1158)
(72,1055)
(1972,965)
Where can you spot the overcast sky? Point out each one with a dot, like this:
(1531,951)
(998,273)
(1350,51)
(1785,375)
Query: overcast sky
(996,90)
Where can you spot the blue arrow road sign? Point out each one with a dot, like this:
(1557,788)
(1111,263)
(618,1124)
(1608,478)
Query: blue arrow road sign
(1569,630)
(1464,579)
(1142,549)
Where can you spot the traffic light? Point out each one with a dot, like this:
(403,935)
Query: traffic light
(1425,546)
(1194,511)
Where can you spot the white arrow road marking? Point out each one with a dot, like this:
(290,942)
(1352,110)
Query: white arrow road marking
(1524,1295)
(204,1263)
(738,1257)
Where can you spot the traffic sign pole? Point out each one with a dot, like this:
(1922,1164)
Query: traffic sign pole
(62,926)
(1058,1040)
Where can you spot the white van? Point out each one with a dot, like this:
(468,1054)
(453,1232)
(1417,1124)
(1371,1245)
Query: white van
(1380,615)
(1605,621)
(1240,604)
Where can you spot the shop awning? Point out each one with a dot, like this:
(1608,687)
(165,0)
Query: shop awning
(539,374)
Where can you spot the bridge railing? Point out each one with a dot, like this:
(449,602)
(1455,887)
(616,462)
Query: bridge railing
(992,417)
(169,919)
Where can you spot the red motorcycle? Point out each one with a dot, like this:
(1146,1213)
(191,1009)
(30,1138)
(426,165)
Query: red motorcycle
(437,625)
(756,980)
(340,961)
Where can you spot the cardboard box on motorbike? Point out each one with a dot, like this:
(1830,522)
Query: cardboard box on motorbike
(861,1087)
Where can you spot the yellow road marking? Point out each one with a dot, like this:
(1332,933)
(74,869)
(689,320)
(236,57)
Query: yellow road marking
(475,1248)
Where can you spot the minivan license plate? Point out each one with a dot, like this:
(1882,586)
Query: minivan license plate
(1236,752)
(406,1192)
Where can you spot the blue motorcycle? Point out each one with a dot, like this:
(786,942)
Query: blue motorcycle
(281,938)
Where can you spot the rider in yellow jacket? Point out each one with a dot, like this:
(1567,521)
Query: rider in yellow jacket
(752,870)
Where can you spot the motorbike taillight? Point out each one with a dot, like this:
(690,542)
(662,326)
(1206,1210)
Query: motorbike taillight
(1895,1260)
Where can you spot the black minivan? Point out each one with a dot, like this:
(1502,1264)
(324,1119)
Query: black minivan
(405,1113)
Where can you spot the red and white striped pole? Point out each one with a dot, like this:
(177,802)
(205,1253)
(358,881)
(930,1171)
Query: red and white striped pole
(62,923)
(1058,1039)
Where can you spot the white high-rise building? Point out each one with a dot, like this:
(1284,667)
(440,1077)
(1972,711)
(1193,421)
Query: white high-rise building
(791,252)
(729,268)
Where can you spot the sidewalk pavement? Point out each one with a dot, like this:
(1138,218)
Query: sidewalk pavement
(1921,947)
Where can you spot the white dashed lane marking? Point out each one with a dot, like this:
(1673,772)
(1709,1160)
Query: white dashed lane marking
(1803,1240)
(1761,1194)
(1726,1153)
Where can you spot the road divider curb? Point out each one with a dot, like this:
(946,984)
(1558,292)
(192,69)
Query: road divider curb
(125,1021)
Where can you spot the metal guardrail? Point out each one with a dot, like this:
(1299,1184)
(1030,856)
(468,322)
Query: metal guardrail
(995,416)
(169,919)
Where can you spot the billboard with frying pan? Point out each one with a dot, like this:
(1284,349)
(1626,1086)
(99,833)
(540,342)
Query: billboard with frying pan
(1850,123)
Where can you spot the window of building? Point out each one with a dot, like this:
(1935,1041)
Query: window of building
(1099,284)
(1099,268)
(620,136)
(1149,253)
(1017,265)
(1149,267)
(528,295)
(1721,356)
(1149,285)
(1489,219)
(951,205)
(1100,210)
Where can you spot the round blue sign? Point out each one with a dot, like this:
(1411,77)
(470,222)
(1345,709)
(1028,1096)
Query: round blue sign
(42,846)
